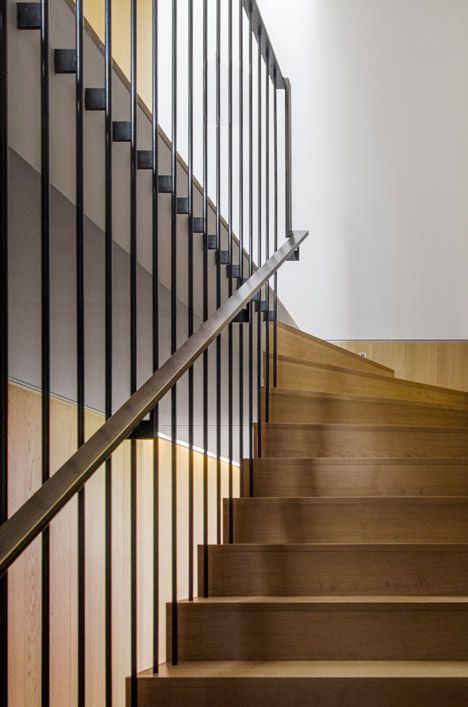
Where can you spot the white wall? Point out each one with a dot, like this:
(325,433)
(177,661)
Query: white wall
(380,101)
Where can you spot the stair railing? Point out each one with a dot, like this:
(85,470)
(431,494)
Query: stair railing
(250,168)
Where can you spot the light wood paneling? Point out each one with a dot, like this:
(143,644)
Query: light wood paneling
(443,363)
(25,574)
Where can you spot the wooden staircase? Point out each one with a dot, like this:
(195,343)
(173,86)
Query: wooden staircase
(347,581)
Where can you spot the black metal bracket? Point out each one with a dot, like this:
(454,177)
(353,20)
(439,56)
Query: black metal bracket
(211,242)
(145,430)
(222,257)
(28,15)
(261,306)
(144,159)
(198,224)
(65,61)
(121,131)
(165,184)
(295,256)
(233,271)
(243,317)
(183,205)
(95,98)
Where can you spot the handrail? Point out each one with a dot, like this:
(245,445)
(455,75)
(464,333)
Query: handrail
(37,512)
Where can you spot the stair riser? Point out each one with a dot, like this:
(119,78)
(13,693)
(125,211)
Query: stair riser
(277,521)
(297,345)
(324,632)
(297,376)
(286,692)
(279,572)
(291,441)
(283,479)
(285,408)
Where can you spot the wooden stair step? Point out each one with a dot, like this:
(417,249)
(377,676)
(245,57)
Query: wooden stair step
(286,477)
(307,406)
(348,520)
(322,628)
(280,439)
(298,374)
(298,344)
(335,569)
(296,683)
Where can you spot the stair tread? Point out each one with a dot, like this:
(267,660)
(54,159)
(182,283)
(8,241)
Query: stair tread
(340,547)
(344,427)
(331,461)
(311,669)
(344,602)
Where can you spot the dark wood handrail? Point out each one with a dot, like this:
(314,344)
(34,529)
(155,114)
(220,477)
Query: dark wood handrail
(37,512)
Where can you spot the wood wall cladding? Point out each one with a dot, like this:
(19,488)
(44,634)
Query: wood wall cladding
(25,574)
(443,363)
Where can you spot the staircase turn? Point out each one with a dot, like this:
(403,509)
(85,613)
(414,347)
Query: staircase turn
(345,583)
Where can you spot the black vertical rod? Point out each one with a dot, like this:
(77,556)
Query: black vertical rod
(259,244)
(3,337)
(230,217)
(275,235)
(80,339)
(190,266)
(108,342)
(251,246)
(155,326)
(218,269)
(133,348)
(267,238)
(205,296)
(241,246)
(174,334)
(288,155)
(45,355)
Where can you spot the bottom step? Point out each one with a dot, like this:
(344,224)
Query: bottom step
(297,684)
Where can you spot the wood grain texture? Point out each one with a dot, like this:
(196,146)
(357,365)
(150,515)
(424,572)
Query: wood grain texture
(297,344)
(307,406)
(318,628)
(443,363)
(348,520)
(288,570)
(356,477)
(300,375)
(281,439)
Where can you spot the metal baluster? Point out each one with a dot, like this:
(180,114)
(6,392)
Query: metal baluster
(259,245)
(275,199)
(133,348)
(288,156)
(108,341)
(218,269)
(230,217)
(205,296)
(3,337)
(80,338)
(251,246)
(174,335)
(241,246)
(190,296)
(267,237)
(155,326)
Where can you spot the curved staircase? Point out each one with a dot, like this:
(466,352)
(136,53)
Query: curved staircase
(346,582)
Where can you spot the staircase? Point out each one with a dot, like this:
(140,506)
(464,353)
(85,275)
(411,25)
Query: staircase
(346,580)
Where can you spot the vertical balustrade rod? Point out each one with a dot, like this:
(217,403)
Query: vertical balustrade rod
(190,293)
(133,348)
(108,343)
(230,217)
(205,296)
(251,246)
(45,344)
(288,156)
(241,246)
(156,328)
(80,339)
(3,337)
(218,269)
(259,245)
(174,334)
(267,237)
(275,234)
